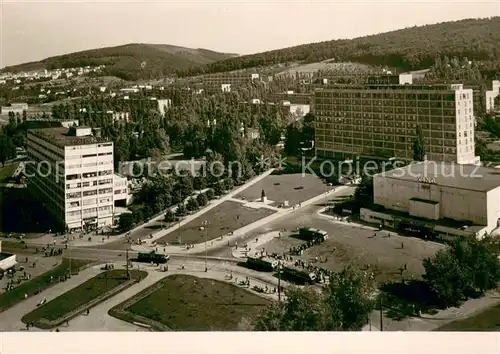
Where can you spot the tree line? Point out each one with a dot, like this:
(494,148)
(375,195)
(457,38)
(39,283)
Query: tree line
(408,48)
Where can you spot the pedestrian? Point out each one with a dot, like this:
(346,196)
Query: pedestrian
(402,245)
(88,312)
(405,266)
(25,296)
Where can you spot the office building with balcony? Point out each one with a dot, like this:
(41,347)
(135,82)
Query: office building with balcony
(381,120)
(71,172)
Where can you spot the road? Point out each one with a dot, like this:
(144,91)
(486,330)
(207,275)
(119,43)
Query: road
(116,250)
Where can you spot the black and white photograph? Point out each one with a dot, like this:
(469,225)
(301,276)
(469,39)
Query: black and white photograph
(250,166)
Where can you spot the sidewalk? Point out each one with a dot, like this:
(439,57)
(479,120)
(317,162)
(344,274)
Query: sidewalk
(98,318)
(10,320)
(337,220)
(237,235)
(97,240)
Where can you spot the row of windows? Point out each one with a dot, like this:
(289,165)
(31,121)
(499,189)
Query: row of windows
(339,111)
(387,95)
(33,140)
(88,175)
(397,103)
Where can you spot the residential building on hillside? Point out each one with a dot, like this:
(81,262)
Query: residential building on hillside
(446,198)
(232,78)
(123,117)
(71,173)
(380,121)
(164,105)
(491,96)
(16,108)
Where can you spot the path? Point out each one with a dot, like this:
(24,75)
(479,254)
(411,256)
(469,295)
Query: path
(236,236)
(99,320)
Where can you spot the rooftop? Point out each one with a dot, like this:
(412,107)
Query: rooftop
(469,177)
(5,255)
(59,136)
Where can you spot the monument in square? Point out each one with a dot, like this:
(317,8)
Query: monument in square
(263,197)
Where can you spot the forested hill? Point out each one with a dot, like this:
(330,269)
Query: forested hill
(409,48)
(131,61)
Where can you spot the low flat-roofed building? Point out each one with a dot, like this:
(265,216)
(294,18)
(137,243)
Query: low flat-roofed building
(463,199)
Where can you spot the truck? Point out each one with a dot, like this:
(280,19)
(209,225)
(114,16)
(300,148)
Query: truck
(263,264)
(299,275)
(152,257)
(310,234)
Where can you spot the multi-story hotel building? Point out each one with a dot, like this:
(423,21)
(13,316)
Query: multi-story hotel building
(71,172)
(380,121)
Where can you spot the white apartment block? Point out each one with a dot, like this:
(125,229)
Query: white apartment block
(71,172)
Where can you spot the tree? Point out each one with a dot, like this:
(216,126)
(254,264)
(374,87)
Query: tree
(219,188)
(349,300)
(418,145)
(7,149)
(344,306)
(363,195)
(210,194)
(169,216)
(303,310)
(192,204)
(202,199)
(446,278)
(181,210)
(126,222)
(292,139)
(467,268)
(199,183)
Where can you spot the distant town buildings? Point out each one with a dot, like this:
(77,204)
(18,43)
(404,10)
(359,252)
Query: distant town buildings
(45,74)
(15,108)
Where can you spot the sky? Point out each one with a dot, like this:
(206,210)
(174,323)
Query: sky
(36,29)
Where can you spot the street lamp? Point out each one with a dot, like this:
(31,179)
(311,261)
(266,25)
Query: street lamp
(205,224)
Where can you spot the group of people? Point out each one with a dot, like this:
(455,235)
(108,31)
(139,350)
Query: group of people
(322,275)
(299,250)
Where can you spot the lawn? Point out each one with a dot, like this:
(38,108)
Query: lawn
(188,303)
(40,283)
(7,171)
(222,219)
(487,320)
(295,188)
(80,296)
